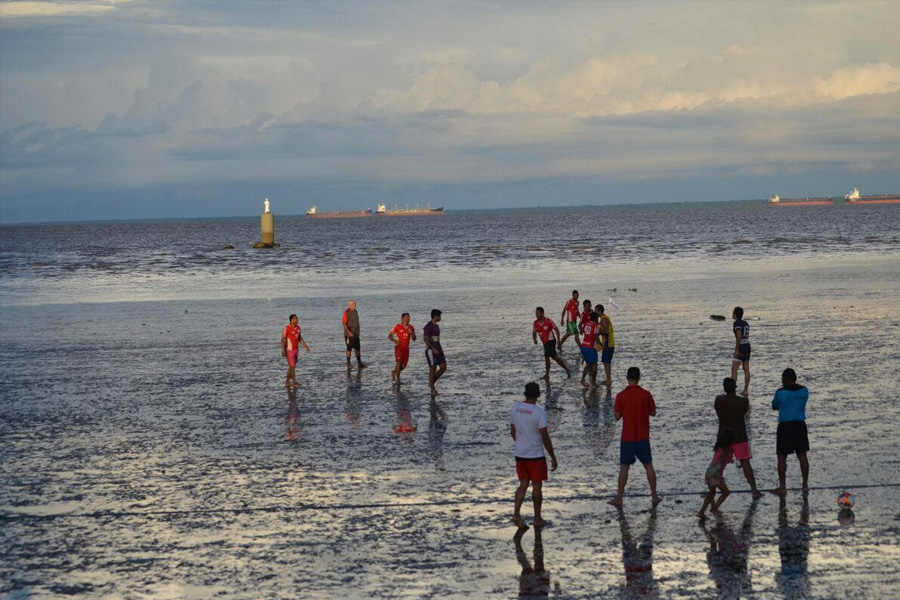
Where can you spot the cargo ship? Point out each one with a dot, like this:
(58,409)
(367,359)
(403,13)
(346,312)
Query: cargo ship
(777,201)
(406,211)
(854,198)
(313,213)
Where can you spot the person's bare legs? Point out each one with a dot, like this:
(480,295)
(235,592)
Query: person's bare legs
(561,363)
(651,479)
(584,373)
(546,368)
(751,478)
(782,472)
(707,500)
(607,368)
(623,479)
(434,373)
(746,365)
(722,496)
(594,375)
(520,498)
(804,470)
(537,497)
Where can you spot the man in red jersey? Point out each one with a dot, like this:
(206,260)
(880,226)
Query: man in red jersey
(588,344)
(570,317)
(549,333)
(400,335)
(635,406)
(291,340)
(585,315)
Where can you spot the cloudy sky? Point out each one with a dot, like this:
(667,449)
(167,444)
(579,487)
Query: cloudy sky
(130,109)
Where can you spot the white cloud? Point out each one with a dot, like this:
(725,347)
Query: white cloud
(23,8)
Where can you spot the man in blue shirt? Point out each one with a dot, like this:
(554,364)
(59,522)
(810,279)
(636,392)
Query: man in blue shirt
(790,402)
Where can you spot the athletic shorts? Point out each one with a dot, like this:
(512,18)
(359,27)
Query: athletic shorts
(606,358)
(292,357)
(433,360)
(550,349)
(743,355)
(629,450)
(741,451)
(352,343)
(792,437)
(401,354)
(532,469)
(572,327)
(589,354)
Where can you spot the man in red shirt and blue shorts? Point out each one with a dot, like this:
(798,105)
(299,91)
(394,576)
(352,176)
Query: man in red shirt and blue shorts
(588,343)
(400,335)
(635,406)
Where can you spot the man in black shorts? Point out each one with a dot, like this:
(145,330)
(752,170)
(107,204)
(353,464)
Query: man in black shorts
(792,438)
(350,322)
(549,334)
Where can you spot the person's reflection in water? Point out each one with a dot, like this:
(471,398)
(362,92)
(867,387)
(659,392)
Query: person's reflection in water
(437,425)
(353,406)
(405,427)
(728,554)
(534,582)
(637,558)
(793,546)
(293,417)
(551,405)
(597,434)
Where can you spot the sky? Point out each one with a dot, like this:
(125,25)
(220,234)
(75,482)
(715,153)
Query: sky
(114,109)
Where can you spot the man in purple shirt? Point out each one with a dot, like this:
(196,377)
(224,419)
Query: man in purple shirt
(434,354)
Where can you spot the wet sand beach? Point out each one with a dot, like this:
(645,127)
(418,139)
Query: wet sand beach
(149,448)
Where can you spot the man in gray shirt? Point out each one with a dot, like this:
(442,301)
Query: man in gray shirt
(350,322)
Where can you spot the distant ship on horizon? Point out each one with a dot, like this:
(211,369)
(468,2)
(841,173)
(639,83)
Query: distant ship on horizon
(313,213)
(854,198)
(778,201)
(397,211)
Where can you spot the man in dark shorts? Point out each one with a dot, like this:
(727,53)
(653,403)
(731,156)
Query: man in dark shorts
(741,348)
(434,354)
(400,336)
(792,438)
(608,345)
(528,428)
(732,411)
(350,323)
(549,333)
(635,405)
(570,317)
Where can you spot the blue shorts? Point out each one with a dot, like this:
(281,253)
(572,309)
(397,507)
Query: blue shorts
(607,357)
(629,450)
(589,354)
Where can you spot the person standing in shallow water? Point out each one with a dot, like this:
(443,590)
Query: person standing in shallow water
(350,324)
(732,411)
(291,340)
(635,405)
(434,353)
(549,334)
(528,428)
(792,437)
(400,336)
(741,348)
(608,345)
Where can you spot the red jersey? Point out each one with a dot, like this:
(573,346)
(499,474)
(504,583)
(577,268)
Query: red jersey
(589,333)
(571,310)
(635,403)
(292,334)
(585,317)
(402,333)
(545,330)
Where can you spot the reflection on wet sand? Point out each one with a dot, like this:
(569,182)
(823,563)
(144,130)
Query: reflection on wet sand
(293,417)
(353,405)
(793,546)
(551,405)
(597,420)
(404,427)
(728,554)
(534,582)
(437,426)
(637,558)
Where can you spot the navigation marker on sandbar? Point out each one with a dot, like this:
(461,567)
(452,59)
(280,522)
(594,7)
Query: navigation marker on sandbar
(268,229)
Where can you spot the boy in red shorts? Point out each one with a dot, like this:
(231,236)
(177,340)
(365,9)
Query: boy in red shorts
(400,335)
(528,428)
(732,411)
(291,340)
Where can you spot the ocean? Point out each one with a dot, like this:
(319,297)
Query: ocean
(148,447)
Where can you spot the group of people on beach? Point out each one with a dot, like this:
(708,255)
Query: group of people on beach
(593,332)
